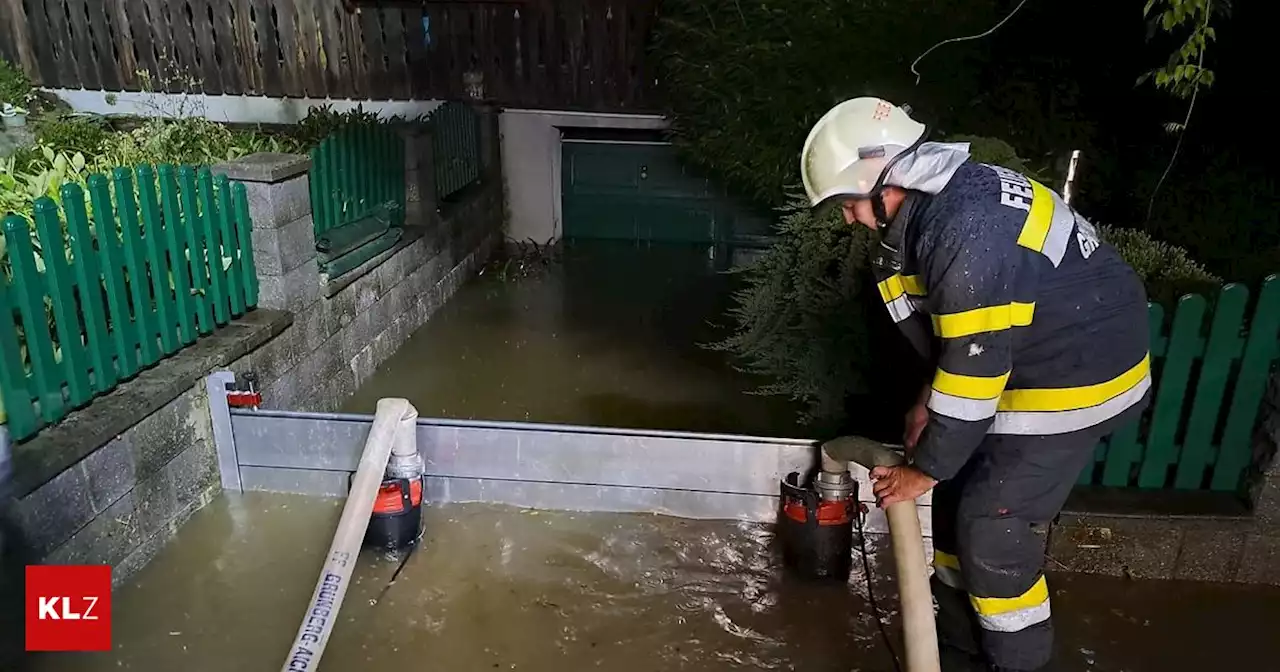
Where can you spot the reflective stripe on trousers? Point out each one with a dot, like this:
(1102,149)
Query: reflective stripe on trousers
(1011,614)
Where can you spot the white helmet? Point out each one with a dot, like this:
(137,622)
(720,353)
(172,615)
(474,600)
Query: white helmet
(851,148)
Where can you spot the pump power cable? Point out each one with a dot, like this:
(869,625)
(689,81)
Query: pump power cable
(871,594)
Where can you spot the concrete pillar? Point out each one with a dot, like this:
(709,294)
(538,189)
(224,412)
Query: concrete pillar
(284,241)
(419,176)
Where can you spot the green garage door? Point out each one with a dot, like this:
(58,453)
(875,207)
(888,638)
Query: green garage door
(640,191)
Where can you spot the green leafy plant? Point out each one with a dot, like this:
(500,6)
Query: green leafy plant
(1167,271)
(1184,73)
(15,86)
(72,133)
(322,121)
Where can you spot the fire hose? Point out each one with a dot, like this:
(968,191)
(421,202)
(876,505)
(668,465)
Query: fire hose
(918,626)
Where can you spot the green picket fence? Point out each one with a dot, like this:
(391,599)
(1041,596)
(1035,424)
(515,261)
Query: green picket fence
(455,147)
(91,301)
(357,173)
(357,195)
(1210,369)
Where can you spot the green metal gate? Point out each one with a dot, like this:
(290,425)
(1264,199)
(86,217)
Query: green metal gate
(640,191)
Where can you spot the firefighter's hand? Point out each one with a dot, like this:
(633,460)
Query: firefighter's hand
(899,484)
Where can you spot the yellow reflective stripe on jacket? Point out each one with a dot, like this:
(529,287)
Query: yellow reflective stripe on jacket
(947,568)
(983,320)
(1011,614)
(1071,398)
(970,387)
(896,285)
(967,398)
(1059,411)
(1048,226)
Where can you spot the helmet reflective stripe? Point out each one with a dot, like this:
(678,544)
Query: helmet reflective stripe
(850,147)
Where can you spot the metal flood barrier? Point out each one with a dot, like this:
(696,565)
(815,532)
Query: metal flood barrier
(531,465)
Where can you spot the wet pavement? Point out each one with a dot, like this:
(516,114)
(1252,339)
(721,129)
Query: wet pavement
(496,588)
(608,335)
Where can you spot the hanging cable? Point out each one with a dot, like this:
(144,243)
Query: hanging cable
(963,39)
(871,595)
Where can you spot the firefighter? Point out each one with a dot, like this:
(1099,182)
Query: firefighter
(1037,334)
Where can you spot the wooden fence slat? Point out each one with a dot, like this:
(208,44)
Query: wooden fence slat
(195,240)
(60,33)
(369,26)
(357,62)
(398,73)
(82,44)
(247,60)
(16,391)
(228,233)
(29,289)
(529,26)
(89,280)
(415,58)
(175,244)
(307,50)
(206,46)
(138,41)
(167,76)
(268,39)
(103,51)
(153,241)
(145,321)
(508,63)
(211,224)
(1185,346)
(123,334)
(294,63)
(1223,348)
(337,74)
(57,273)
(233,80)
(578,80)
(1255,369)
(42,44)
(597,32)
(439,54)
(18,44)
(183,50)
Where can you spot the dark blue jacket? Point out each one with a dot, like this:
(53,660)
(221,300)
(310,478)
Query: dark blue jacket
(1038,326)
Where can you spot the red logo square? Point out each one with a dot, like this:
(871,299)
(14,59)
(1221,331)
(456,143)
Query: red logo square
(68,608)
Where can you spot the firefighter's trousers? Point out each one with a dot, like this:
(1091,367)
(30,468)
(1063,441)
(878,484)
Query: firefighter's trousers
(990,528)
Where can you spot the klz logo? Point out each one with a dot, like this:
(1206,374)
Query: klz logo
(59,609)
(68,608)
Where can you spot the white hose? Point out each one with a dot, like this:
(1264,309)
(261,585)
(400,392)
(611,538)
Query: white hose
(394,428)
(919,630)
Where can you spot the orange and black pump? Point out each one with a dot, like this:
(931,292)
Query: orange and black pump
(397,514)
(815,527)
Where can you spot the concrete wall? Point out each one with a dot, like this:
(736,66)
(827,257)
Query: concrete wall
(531,163)
(112,482)
(228,109)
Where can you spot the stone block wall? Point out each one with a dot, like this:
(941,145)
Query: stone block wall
(345,327)
(113,481)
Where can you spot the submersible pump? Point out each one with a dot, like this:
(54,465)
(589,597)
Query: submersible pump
(815,524)
(397,521)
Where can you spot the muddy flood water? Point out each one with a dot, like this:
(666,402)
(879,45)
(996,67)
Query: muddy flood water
(607,335)
(495,588)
